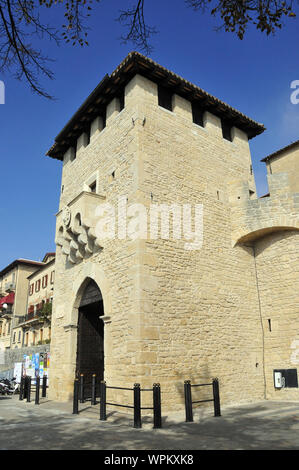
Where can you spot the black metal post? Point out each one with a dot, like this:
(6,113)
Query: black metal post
(37,386)
(137,406)
(44,387)
(22,384)
(217,411)
(81,388)
(25,386)
(103,415)
(188,401)
(157,406)
(93,390)
(76,398)
(28,389)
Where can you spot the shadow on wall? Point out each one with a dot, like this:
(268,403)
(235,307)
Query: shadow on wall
(198,393)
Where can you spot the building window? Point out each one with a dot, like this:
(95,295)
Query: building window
(37,286)
(34,338)
(121,99)
(41,333)
(14,337)
(19,336)
(31,289)
(226,130)
(104,117)
(26,339)
(93,187)
(74,151)
(87,131)
(197,114)
(52,277)
(45,281)
(165,98)
(8,328)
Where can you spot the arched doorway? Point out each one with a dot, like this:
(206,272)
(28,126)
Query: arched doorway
(90,337)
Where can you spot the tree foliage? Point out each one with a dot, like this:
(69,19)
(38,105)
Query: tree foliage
(22,25)
(45,312)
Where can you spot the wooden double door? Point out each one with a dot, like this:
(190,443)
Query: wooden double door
(90,342)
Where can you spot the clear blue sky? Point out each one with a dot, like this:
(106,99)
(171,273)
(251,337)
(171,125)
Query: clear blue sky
(252,75)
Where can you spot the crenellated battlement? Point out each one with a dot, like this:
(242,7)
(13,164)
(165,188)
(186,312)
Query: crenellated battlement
(254,218)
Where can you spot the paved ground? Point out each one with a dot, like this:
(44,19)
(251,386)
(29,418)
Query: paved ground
(50,425)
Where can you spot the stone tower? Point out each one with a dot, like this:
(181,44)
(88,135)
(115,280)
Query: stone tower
(170,309)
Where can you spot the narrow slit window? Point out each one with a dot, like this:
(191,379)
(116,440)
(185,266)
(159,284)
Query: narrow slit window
(87,131)
(269,324)
(197,114)
(164,98)
(226,130)
(74,151)
(103,116)
(121,99)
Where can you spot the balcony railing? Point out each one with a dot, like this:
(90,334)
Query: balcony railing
(6,312)
(32,316)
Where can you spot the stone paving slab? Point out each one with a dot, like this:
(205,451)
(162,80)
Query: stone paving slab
(51,426)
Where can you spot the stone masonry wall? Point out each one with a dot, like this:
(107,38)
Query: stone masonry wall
(252,219)
(278,280)
(111,159)
(171,314)
(199,315)
(16,355)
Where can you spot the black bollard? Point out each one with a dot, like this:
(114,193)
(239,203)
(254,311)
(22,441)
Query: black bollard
(81,388)
(216,396)
(76,398)
(188,401)
(157,406)
(103,415)
(137,406)
(28,388)
(37,387)
(44,387)
(22,384)
(93,390)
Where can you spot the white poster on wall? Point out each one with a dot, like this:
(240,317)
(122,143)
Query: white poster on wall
(17,373)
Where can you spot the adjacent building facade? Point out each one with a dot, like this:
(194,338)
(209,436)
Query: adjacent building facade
(13,301)
(137,304)
(35,326)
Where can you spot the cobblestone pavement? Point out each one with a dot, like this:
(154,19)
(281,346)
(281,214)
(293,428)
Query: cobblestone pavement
(51,425)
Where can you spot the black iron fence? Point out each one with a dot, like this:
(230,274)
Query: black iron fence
(91,390)
(81,396)
(188,398)
(29,385)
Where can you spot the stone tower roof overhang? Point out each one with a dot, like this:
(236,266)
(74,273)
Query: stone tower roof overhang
(112,85)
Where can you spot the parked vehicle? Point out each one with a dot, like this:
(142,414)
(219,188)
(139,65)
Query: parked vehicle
(8,387)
